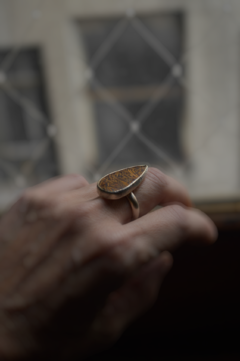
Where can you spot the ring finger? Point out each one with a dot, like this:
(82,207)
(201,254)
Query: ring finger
(156,189)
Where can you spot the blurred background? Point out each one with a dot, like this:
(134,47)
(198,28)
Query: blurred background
(93,86)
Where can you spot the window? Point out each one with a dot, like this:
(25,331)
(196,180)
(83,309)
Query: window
(26,151)
(133,84)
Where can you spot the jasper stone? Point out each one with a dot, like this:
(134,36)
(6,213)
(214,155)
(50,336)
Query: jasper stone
(121,179)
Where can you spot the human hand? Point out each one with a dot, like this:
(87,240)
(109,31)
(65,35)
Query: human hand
(75,270)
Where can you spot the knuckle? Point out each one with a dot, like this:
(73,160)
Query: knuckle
(28,198)
(124,257)
(81,180)
(83,212)
(109,243)
(143,253)
(33,199)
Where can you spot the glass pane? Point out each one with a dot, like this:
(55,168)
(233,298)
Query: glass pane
(22,100)
(140,94)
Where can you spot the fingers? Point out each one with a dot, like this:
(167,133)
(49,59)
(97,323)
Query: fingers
(125,248)
(32,228)
(61,184)
(126,304)
(15,218)
(166,229)
(156,189)
(140,292)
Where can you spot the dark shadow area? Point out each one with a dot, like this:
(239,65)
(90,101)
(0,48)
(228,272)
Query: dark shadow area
(197,314)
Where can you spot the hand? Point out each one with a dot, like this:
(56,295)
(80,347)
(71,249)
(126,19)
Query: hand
(75,270)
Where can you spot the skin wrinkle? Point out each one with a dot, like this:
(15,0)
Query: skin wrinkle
(158,181)
(48,268)
(115,317)
(16,251)
(21,274)
(163,185)
(33,289)
(48,271)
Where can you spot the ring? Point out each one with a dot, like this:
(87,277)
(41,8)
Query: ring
(121,183)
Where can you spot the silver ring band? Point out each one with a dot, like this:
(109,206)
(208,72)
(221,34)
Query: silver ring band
(134,205)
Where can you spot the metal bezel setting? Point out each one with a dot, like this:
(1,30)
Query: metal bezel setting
(124,191)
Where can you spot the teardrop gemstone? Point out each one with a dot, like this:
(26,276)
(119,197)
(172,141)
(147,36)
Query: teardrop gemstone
(121,179)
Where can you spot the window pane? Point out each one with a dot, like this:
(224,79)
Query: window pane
(133,90)
(24,119)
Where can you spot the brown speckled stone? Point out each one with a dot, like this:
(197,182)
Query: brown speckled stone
(121,179)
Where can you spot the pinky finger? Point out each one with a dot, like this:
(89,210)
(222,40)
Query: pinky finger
(133,299)
(139,293)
